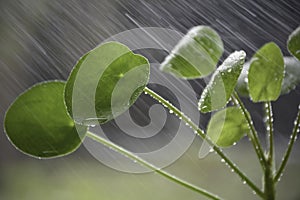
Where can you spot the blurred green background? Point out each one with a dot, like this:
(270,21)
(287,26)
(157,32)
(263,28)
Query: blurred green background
(42,40)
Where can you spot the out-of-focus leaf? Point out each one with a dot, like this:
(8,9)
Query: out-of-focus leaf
(293,43)
(291,76)
(196,55)
(227,127)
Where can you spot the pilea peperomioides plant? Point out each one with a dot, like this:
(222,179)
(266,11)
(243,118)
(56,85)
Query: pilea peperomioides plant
(42,122)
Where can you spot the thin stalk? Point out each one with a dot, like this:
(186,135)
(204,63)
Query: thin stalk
(286,156)
(201,133)
(270,137)
(141,161)
(269,186)
(253,136)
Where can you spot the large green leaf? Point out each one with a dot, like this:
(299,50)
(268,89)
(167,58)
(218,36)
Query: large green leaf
(294,43)
(290,81)
(266,73)
(37,122)
(227,127)
(218,91)
(105,83)
(196,55)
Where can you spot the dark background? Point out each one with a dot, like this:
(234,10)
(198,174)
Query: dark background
(42,40)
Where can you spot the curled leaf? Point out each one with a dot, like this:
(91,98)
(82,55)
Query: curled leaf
(218,91)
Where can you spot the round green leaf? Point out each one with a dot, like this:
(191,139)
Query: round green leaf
(218,91)
(290,81)
(37,122)
(105,83)
(227,127)
(293,43)
(196,55)
(266,73)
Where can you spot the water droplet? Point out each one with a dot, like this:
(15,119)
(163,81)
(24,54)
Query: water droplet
(234,143)
(232,170)
(146,92)
(211,150)
(222,160)
(171,111)
(244,182)
(265,119)
(254,192)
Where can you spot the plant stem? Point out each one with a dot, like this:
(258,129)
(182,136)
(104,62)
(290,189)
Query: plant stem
(143,162)
(269,186)
(201,133)
(286,156)
(253,136)
(269,125)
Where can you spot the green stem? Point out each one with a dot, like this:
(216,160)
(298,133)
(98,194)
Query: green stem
(269,124)
(286,156)
(201,133)
(269,186)
(165,174)
(253,135)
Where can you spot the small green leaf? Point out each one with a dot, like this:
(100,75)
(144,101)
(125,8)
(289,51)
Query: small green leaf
(290,81)
(227,127)
(266,73)
(37,122)
(293,43)
(218,91)
(105,83)
(196,55)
